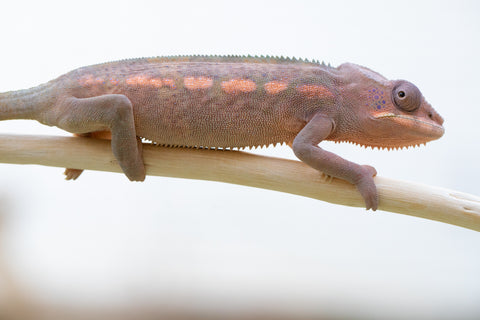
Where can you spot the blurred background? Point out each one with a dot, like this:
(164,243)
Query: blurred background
(105,247)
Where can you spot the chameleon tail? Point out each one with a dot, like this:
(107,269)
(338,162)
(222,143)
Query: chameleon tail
(25,104)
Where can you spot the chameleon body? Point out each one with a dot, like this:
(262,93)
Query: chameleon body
(229,102)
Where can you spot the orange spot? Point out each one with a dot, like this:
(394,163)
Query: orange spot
(238,85)
(114,81)
(155,82)
(169,83)
(194,83)
(137,80)
(274,87)
(152,82)
(314,91)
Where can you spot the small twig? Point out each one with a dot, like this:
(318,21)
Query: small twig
(242,168)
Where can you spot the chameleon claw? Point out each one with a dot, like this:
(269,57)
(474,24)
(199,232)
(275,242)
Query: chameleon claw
(326,178)
(72,174)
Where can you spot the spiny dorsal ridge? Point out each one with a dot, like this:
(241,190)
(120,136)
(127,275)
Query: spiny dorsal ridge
(228,58)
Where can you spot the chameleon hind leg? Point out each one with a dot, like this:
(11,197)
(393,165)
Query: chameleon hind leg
(113,113)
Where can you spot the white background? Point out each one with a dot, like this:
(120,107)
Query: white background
(104,241)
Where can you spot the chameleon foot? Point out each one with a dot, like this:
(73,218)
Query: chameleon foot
(72,174)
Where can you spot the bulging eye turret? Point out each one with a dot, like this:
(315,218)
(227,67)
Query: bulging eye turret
(406,96)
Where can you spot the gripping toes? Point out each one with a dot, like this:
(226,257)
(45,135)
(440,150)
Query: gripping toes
(326,178)
(366,186)
(72,174)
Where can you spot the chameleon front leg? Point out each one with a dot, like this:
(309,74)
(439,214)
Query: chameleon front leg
(112,112)
(305,147)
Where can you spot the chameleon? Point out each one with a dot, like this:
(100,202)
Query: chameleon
(228,102)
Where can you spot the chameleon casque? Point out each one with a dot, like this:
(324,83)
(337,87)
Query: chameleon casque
(233,102)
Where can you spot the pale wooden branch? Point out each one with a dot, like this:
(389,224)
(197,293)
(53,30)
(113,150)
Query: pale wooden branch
(246,169)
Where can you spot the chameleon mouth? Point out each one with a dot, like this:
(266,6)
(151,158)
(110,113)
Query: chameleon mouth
(395,131)
(433,128)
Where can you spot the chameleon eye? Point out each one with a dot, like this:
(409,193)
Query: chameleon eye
(406,96)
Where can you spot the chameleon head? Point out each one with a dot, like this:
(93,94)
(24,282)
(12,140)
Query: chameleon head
(391,113)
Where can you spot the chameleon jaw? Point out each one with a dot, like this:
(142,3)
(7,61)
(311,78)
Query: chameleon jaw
(394,131)
(425,128)
(402,117)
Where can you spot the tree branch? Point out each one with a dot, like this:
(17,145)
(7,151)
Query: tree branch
(246,169)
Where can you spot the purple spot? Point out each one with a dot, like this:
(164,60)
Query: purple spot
(383,101)
(378,107)
(373,90)
(376,97)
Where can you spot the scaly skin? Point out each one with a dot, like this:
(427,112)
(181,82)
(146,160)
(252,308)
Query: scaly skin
(228,102)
